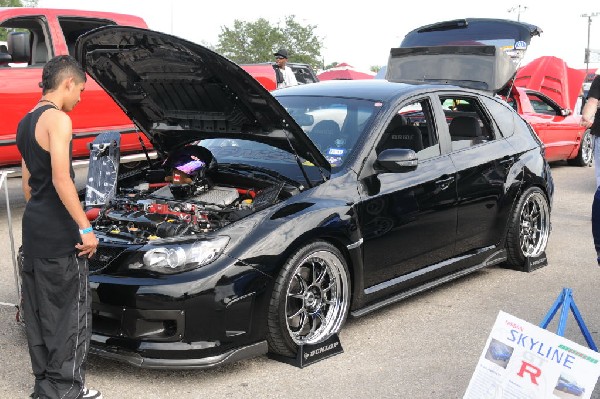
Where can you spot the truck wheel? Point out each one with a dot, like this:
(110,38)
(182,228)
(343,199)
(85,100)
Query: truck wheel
(585,156)
(529,227)
(310,300)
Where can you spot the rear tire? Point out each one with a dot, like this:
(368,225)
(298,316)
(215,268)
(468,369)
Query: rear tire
(529,227)
(585,156)
(310,300)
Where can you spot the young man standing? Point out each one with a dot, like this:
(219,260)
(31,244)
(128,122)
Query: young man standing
(57,239)
(285,75)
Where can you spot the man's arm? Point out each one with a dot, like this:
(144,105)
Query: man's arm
(25,181)
(59,135)
(591,105)
(589,110)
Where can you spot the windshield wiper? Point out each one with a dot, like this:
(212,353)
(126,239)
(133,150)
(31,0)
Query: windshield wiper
(238,167)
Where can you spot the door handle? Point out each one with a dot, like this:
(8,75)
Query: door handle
(507,162)
(444,182)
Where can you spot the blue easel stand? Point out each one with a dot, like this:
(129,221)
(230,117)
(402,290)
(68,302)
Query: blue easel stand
(566,300)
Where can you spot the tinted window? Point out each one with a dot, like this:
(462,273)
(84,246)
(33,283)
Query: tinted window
(412,127)
(73,27)
(304,74)
(503,115)
(238,151)
(541,105)
(467,123)
(333,124)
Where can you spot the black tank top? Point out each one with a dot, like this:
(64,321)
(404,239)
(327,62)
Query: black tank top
(48,229)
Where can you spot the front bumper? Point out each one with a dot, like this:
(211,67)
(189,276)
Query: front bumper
(212,316)
(126,356)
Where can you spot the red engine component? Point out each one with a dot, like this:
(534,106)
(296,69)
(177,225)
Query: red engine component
(92,214)
(163,209)
(250,192)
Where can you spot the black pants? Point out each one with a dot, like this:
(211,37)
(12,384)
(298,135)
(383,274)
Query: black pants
(57,313)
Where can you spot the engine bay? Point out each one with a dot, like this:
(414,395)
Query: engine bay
(184,193)
(139,214)
(146,209)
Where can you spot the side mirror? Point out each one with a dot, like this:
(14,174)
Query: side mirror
(397,160)
(5,58)
(565,112)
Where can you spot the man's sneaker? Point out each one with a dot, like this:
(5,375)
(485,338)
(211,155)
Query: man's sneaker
(91,394)
(87,394)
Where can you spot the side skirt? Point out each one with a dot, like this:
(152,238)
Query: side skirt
(497,257)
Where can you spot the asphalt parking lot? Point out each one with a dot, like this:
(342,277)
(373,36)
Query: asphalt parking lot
(424,347)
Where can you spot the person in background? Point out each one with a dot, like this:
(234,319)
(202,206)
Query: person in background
(285,75)
(590,118)
(57,239)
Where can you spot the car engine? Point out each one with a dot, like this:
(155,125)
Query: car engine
(149,211)
(185,194)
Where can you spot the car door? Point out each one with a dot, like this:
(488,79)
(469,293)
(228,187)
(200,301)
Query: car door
(560,133)
(33,41)
(408,219)
(482,158)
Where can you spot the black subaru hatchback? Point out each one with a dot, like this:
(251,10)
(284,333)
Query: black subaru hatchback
(263,222)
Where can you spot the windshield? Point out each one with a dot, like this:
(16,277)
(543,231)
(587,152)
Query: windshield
(333,124)
(262,156)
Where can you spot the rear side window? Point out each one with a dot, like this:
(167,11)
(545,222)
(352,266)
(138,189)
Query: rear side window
(304,74)
(467,123)
(73,27)
(504,116)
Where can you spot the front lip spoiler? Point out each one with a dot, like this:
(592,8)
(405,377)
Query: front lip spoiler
(234,355)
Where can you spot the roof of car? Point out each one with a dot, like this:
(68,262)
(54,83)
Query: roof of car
(372,89)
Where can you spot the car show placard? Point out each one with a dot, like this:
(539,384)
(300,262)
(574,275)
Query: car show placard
(521,360)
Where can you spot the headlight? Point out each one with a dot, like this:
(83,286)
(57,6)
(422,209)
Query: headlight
(176,258)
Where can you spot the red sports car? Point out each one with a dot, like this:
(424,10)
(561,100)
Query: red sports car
(544,94)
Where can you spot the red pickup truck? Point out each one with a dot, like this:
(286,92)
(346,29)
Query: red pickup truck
(34,36)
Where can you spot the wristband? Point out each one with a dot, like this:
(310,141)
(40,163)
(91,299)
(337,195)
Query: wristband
(86,230)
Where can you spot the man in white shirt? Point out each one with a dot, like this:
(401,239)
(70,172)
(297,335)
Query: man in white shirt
(285,75)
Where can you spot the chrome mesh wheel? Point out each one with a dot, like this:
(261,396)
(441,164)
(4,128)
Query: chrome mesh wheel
(587,148)
(316,298)
(534,224)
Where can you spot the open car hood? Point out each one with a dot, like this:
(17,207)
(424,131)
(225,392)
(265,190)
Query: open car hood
(178,92)
(478,53)
(551,76)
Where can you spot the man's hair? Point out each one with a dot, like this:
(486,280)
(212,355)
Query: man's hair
(59,68)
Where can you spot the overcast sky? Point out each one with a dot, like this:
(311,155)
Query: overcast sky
(362,33)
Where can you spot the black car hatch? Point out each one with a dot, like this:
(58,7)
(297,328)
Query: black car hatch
(477,53)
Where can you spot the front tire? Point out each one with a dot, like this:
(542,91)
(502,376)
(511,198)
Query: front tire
(310,299)
(585,156)
(529,227)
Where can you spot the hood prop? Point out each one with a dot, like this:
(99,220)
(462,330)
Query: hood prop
(298,159)
(144,148)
